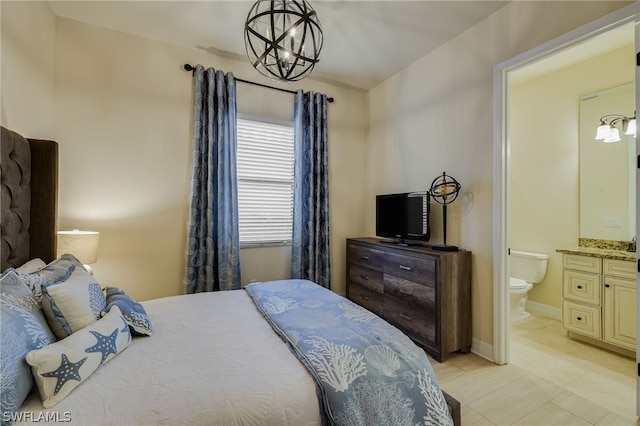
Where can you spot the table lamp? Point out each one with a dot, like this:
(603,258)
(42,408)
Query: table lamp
(82,244)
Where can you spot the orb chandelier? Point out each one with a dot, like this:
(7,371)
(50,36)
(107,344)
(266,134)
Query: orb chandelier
(283,38)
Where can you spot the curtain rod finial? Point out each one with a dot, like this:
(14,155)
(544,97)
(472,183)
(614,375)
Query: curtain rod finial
(189,67)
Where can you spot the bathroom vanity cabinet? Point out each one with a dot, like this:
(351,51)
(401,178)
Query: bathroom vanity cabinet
(599,299)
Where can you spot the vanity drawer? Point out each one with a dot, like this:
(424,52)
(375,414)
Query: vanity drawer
(582,263)
(583,319)
(581,287)
(417,269)
(620,268)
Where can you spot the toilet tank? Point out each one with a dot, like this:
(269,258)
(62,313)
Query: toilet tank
(528,266)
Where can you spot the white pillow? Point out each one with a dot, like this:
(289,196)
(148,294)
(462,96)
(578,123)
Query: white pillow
(72,304)
(62,366)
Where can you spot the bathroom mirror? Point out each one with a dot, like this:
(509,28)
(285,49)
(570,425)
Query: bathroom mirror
(607,170)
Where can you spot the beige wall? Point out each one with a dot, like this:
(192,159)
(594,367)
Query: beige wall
(544,160)
(436,115)
(122,116)
(27,68)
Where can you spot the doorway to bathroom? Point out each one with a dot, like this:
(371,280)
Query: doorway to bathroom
(554,194)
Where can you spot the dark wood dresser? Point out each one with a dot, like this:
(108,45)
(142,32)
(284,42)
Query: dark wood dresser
(426,293)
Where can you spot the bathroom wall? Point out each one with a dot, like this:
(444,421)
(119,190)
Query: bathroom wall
(544,173)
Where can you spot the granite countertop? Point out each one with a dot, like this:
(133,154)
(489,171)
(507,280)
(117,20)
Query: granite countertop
(600,252)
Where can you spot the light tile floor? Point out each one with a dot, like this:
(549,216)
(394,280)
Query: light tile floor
(551,380)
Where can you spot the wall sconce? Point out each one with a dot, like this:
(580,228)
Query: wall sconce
(82,244)
(607,130)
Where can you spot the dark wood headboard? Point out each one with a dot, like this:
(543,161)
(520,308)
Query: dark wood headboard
(28,199)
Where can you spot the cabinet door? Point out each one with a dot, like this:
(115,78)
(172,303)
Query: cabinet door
(620,312)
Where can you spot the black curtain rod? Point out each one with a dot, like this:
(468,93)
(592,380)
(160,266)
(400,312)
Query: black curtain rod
(189,67)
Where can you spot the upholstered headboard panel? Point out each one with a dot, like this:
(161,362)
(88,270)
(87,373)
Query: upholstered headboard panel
(28,199)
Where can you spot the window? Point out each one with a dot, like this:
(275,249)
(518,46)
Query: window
(265,182)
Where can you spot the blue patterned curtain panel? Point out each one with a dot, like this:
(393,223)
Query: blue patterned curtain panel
(310,240)
(213,242)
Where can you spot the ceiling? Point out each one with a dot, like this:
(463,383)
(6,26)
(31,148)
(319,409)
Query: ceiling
(365,42)
(592,47)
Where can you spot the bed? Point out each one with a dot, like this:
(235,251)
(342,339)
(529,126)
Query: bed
(277,353)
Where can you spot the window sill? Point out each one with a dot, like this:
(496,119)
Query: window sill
(265,244)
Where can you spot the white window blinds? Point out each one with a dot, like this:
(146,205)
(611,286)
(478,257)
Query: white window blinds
(265,182)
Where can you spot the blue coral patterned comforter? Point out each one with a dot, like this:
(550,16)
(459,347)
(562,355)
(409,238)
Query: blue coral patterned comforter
(368,372)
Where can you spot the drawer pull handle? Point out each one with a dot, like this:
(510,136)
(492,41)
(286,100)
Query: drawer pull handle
(406,317)
(364,257)
(579,318)
(364,277)
(405,291)
(607,285)
(406,268)
(580,287)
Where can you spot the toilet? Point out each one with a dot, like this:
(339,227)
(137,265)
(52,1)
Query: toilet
(526,269)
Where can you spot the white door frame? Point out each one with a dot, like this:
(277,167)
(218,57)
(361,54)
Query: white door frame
(620,17)
(637,35)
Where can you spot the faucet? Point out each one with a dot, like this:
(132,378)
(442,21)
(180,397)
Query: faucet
(632,244)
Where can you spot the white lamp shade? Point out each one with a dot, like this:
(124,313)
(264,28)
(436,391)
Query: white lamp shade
(631,128)
(614,136)
(603,132)
(82,244)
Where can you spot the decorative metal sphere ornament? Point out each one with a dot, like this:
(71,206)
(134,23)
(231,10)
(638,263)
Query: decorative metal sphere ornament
(283,38)
(444,190)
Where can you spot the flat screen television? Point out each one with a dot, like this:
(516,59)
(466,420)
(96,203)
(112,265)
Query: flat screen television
(403,217)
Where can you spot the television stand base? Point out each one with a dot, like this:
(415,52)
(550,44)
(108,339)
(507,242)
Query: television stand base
(444,247)
(402,243)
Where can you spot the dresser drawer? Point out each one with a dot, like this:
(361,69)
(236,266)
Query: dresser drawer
(620,268)
(365,256)
(581,287)
(411,307)
(366,298)
(366,277)
(420,270)
(582,263)
(583,319)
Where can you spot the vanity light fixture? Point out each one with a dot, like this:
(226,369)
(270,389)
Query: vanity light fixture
(607,130)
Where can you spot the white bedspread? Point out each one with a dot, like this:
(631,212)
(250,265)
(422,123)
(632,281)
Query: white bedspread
(212,359)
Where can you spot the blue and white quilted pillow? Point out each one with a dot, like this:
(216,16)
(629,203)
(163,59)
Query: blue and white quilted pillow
(73,303)
(23,329)
(60,367)
(133,312)
(58,270)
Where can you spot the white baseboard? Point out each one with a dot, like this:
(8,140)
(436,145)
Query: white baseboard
(544,310)
(482,349)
